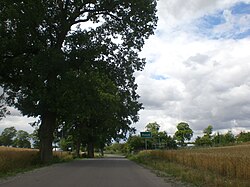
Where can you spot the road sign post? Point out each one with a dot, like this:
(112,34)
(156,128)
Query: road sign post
(146,135)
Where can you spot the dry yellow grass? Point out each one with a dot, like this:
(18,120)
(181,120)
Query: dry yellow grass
(233,161)
(63,155)
(15,158)
(222,166)
(12,159)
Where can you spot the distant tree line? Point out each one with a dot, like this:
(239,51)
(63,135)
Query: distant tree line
(218,139)
(181,138)
(160,140)
(10,137)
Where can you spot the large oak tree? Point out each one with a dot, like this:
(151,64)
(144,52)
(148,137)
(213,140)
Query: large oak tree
(42,41)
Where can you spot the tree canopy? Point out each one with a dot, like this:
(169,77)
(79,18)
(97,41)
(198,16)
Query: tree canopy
(48,52)
(208,131)
(153,128)
(22,139)
(184,132)
(7,136)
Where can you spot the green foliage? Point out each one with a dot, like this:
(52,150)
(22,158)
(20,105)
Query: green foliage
(183,133)
(223,139)
(159,140)
(208,131)
(166,141)
(243,137)
(22,139)
(65,144)
(7,136)
(49,70)
(153,128)
(203,141)
(135,143)
(37,50)
(11,137)
(35,139)
(229,137)
(206,139)
(216,139)
(117,148)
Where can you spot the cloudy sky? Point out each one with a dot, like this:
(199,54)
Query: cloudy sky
(198,68)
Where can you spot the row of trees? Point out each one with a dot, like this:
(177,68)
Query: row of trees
(159,139)
(21,139)
(78,80)
(182,137)
(217,139)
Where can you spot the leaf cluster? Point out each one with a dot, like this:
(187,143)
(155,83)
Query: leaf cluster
(11,137)
(52,62)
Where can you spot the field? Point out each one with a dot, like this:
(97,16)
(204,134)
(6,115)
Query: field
(222,166)
(17,159)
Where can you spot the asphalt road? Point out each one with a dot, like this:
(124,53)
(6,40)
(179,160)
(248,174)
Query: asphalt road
(104,172)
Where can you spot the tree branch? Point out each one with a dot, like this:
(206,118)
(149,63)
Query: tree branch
(95,13)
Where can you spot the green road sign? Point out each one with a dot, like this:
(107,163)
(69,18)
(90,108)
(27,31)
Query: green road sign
(146,135)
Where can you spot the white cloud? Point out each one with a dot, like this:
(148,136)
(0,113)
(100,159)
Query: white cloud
(206,80)
(18,121)
(176,16)
(181,11)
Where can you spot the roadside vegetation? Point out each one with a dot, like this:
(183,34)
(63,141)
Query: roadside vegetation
(213,159)
(181,139)
(219,166)
(14,160)
(209,162)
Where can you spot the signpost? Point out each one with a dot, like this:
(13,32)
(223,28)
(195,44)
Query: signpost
(146,135)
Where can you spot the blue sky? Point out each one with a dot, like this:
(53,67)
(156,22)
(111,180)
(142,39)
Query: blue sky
(240,8)
(232,17)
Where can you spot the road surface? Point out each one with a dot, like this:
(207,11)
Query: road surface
(102,172)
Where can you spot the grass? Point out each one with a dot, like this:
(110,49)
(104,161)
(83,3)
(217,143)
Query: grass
(221,166)
(15,160)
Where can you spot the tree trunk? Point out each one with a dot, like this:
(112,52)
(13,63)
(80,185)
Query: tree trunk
(78,145)
(102,151)
(46,131)
(90,149)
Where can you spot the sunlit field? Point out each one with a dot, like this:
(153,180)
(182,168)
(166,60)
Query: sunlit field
(222,166)
(12,159)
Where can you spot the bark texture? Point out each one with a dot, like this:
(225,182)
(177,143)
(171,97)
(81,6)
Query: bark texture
(90,149)
(46,131)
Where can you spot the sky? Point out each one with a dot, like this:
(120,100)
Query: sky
(197,71)
(198,67)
